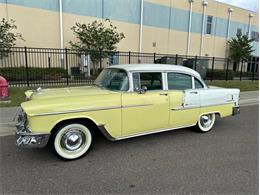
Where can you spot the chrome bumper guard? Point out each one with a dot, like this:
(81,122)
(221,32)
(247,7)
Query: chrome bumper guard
(236,110)
(26,139)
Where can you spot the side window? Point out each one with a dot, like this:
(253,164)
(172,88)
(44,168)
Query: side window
(198,84)
(152,80)
(179,81)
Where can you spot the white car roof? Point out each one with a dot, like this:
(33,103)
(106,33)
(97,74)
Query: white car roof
(156,67)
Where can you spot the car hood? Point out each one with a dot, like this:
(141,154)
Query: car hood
(53,93)
(67,99)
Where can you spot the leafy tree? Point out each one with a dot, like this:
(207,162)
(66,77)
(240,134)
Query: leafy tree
(7,37)
(96,38)
(240,48)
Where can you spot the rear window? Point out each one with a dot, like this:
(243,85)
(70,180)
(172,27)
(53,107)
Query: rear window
(179,81)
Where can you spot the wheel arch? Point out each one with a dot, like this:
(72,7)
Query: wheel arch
(82,120)
(217,113)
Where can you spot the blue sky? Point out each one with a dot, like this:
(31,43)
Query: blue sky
(252,5)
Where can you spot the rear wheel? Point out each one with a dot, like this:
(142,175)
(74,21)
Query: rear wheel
(206,122)
(72,141)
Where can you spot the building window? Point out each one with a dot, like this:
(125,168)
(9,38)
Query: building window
(239,32)
(209,24)
(255,36)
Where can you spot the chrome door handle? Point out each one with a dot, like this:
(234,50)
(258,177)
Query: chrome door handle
(194,92)
(164,94)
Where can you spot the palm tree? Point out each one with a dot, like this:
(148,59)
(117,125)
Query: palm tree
(240,49)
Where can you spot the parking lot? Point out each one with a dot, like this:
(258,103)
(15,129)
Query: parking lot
(223,161)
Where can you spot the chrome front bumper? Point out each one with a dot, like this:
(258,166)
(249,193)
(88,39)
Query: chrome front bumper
(25,138)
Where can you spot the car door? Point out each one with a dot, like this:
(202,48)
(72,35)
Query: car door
(143,112)
(184,100)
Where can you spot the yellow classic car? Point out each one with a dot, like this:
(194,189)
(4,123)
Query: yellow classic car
(125,101)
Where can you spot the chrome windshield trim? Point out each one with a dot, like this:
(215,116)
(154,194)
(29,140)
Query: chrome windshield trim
(193,107)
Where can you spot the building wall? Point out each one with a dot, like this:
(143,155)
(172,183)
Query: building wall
(165,23)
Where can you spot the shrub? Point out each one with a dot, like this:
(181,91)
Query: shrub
(19,73)
(220,74)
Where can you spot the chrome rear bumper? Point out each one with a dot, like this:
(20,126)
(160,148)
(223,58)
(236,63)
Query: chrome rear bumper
(236,110)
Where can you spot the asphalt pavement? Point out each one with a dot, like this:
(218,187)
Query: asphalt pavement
(222,161)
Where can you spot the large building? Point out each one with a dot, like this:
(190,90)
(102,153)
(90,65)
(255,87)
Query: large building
(187,27)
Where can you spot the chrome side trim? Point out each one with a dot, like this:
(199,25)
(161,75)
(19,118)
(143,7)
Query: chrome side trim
(109,137)
(75,111)
(192,107)
(136,105)
(185,108)
(90,109)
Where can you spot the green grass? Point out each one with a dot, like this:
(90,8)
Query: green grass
(17,93)
(242,85)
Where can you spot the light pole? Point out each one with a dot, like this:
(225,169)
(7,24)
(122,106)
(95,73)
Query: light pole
(250,16)
(61,32)
(189,29)
(230,10)
(204,4)
(141,30)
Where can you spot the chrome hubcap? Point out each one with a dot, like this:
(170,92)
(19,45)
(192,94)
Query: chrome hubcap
(206,120)
(73,140)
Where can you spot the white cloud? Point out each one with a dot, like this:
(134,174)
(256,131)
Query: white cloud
(252,5)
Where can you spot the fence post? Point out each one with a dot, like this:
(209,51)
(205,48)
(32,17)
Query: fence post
(176,59)
(67,67)
(129,57)
(212,68)
(227,69)
(26,66)
(253,68)
(154,57)
(196,61)
(49,62)
(240,77)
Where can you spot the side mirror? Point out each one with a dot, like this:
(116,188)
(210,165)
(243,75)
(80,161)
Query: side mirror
(142,90)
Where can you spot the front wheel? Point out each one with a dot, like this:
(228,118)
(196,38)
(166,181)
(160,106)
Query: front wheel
(72,141)
(206,122)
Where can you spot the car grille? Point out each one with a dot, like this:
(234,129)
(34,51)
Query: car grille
(21,121)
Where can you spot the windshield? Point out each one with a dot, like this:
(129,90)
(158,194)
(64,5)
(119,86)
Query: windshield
(113,79)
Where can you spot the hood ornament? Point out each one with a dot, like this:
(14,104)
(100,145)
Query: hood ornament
(39,90)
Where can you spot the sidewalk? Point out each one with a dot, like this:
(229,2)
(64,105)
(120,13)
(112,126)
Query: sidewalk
(8,115)
(249,98)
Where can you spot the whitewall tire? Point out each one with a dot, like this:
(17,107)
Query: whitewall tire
(72,141)
(206,122)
